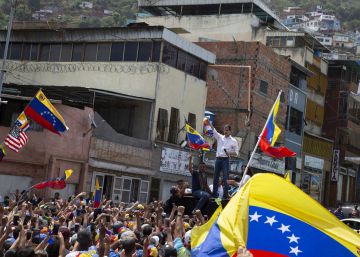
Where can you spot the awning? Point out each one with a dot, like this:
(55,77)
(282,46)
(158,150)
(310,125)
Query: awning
(354,160)
(120,167)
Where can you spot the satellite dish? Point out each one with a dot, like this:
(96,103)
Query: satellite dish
(213,74)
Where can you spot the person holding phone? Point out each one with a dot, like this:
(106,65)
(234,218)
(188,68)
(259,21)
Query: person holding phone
(227,147)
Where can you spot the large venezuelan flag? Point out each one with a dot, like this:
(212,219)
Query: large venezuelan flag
(196,141)
(271,134)
(274,218)
(43,112)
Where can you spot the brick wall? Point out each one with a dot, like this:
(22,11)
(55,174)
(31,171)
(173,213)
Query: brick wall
(228,86)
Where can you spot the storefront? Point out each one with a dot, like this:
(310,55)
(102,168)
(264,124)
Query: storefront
(312,177)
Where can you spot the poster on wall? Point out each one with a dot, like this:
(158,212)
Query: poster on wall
(335,165)
(174,161)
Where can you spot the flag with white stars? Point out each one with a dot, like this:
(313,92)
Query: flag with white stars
(44,113)
(274,218)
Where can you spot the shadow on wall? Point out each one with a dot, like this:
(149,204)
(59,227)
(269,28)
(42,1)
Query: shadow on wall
(105,131)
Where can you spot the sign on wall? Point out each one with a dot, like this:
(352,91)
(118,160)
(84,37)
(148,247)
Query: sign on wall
(174,161)
(335,165)
(313,162)
(267,163)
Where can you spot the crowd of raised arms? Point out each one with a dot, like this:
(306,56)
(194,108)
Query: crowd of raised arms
(33,227)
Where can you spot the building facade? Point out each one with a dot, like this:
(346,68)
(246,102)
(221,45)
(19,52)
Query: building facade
(136,85)
(209,20)
(342,125)
(243,85)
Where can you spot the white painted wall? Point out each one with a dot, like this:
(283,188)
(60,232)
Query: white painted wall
(214,27)
(129,78)
(184,92)
(9,183)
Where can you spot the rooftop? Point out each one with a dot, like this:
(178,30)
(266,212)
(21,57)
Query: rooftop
(211,7)
(308,39)
(114,34)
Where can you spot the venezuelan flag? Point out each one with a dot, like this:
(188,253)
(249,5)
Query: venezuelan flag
(271,134)
(97,194)
(195,140)
(55,183)
(43,112)
(274,218)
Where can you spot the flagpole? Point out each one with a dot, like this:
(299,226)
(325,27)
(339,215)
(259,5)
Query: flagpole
(260,136)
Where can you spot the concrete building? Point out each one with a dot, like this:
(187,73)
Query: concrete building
(134,85)
(342,124)
(304,50)
(209,20)
(246,104)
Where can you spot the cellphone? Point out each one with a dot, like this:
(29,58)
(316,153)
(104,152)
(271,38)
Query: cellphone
(78,212)
(107,218)
(16,220)
(36,236)
(55,230)
(97,212)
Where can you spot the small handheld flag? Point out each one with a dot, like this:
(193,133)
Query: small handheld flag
(22,122)
(196,141)
(2,152)
(16,139)
(55,183)
(43,112)
(97,194)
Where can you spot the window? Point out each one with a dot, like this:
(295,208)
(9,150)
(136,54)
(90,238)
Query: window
(26,52)
(131,49)
(117,52)
(296,121)
(156,51)
(203,70)
(162,125)
(144,189)
(66,52)
(154,189)
(55,52)
(34,52)
(2,49)
(78,52)
(181,61)
(44,52)
(10,111)
(174,126)
(15,51)
(170,55)
(144,54)
(192,65)
(135,188)
(90,52)
(263,87)
(103,53)
(192,120)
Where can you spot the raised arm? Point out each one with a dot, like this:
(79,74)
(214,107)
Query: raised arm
(190,164)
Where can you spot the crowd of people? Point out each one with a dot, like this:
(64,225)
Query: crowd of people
(32,227)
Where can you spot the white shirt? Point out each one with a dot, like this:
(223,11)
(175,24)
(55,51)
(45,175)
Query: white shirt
(229,143)
(220,190)
(242,183)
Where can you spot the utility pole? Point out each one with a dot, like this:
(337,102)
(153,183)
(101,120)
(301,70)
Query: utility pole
(8,34)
